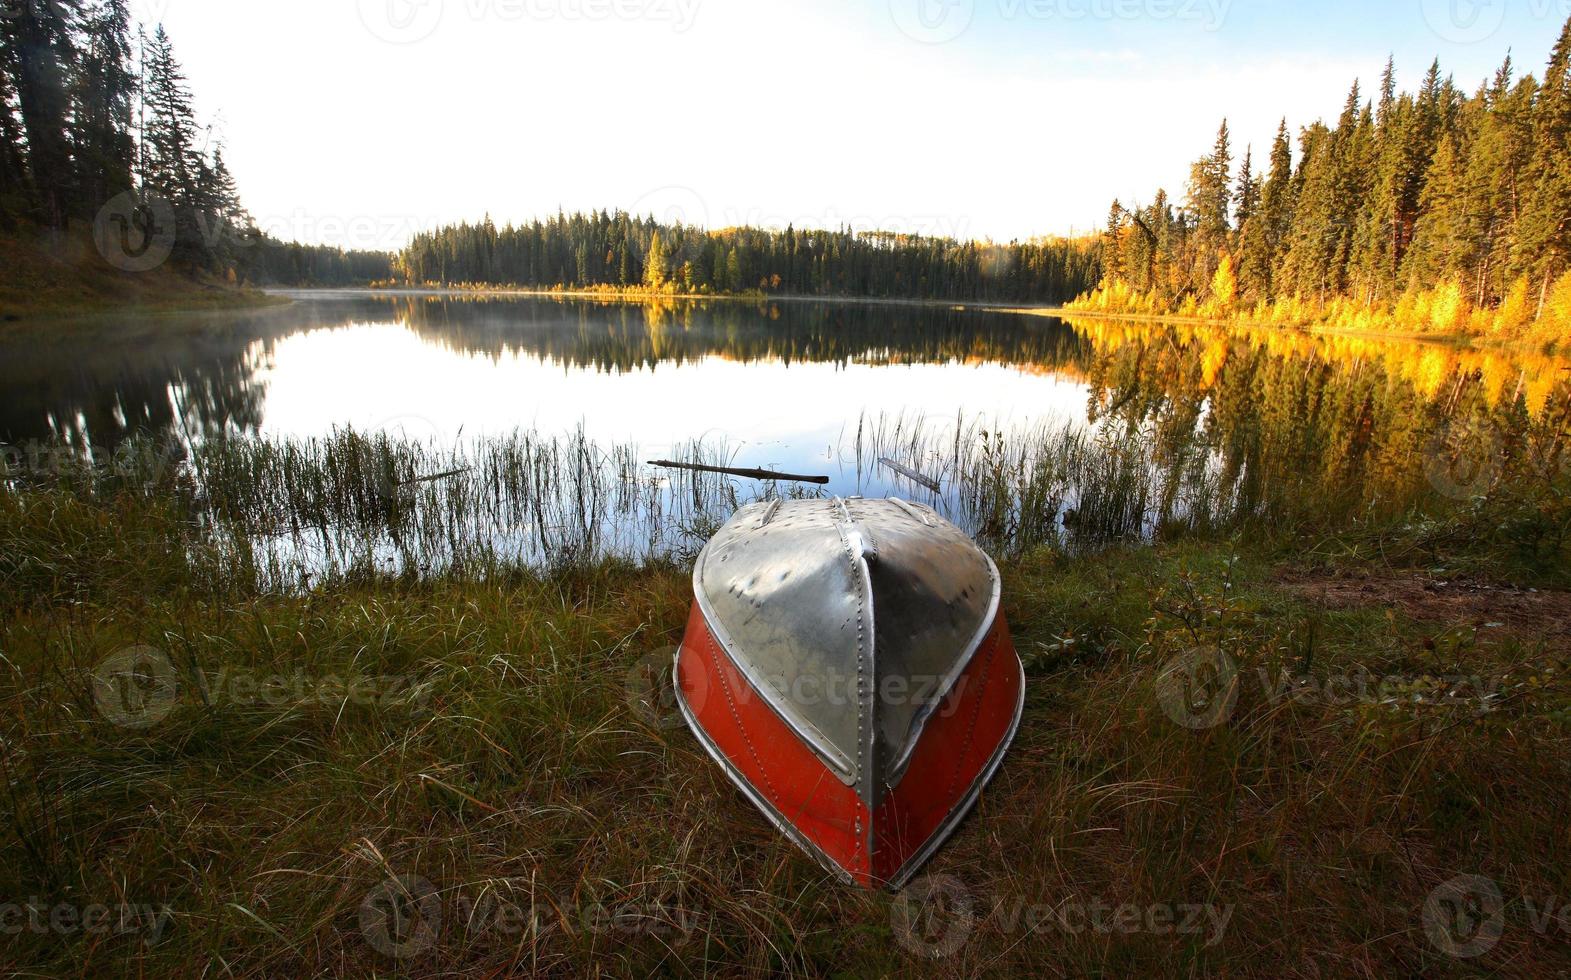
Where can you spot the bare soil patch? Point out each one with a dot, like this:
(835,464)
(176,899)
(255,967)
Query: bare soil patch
(1526,613)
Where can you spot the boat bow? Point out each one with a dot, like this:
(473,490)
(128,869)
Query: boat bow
(847,665)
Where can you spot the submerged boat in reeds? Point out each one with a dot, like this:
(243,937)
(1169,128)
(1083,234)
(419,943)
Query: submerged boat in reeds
(846,663)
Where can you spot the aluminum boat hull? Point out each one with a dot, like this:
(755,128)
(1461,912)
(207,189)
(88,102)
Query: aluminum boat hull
(847,665)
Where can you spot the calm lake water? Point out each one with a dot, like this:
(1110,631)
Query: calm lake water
(779,386)
(1037,429)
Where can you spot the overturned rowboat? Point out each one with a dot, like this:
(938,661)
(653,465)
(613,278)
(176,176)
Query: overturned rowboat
(847,665)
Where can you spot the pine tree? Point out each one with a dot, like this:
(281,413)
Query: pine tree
(1276,201)
(102,105)
(1546,228)
(1387,95)
(1463,199)
(14,188)
(173,166)
(1263,213)
(1208,188)
(224,194)
(171,133)
(1312,240)
(1246,198)
(1209,195)
(1444,246)
(1112,245)
(41,53)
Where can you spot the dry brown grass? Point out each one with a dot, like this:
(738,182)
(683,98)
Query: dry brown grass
(518,772)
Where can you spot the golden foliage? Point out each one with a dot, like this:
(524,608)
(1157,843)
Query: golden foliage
(1224,288)
(1444,311)
(1430,370)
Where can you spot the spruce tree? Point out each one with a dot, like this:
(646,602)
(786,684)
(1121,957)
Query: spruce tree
(1546,228)
(39,42)
(103,100)
(171,133)
(1208,188)
(1246,198)
(14,188)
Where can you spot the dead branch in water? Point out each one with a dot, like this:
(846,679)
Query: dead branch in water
(912,475)
(433,477)
(750,474)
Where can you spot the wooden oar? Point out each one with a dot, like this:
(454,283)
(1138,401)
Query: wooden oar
(912,475)
(433,477)
(729,471)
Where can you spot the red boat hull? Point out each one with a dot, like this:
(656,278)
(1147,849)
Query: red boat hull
(959,748)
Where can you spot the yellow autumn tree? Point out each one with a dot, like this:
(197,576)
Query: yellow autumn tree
(1224,287)
(1448,309)
(1515,311)
(1554,324)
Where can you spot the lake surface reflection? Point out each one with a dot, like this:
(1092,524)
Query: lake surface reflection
(1035,429)
(778,385)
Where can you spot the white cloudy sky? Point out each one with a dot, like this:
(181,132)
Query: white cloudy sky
(355,122)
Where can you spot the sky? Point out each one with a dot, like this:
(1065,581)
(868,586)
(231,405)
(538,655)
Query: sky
(360,122)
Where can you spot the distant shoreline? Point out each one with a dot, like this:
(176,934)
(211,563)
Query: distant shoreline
(986,306)
(996,306)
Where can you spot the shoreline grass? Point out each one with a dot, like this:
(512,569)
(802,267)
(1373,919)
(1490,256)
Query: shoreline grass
(505,755)
(489,752)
